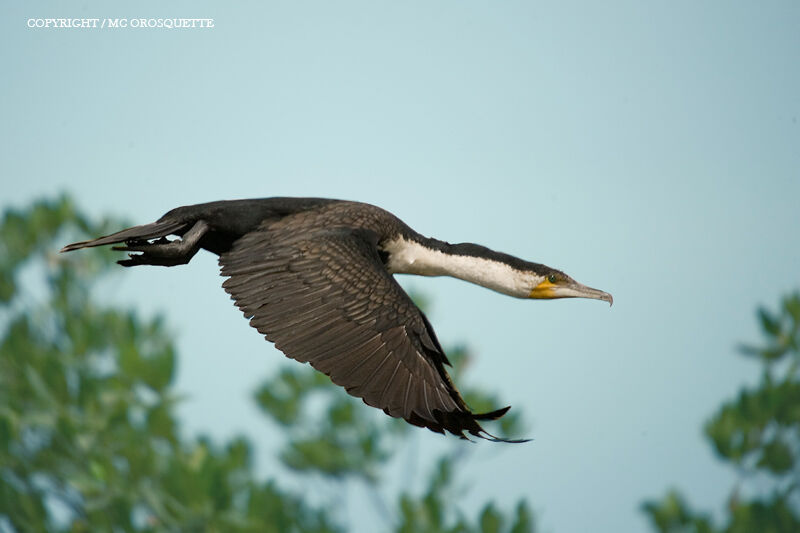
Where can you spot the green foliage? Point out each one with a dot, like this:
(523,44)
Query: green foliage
(673,514)
(429,513)
(88,435)
(759,433)
(346,438)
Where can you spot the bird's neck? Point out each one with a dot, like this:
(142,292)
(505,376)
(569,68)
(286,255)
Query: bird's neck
(470,262)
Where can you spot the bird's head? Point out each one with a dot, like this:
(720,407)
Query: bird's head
(549,284)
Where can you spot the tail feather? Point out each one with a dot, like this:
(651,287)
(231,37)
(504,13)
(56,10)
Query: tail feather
(153,230)
(494,415)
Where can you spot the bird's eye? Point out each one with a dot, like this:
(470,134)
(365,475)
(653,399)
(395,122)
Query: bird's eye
(551,278)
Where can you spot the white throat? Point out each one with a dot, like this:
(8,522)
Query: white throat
(409,257)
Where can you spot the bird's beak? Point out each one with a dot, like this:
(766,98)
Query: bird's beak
(568,289)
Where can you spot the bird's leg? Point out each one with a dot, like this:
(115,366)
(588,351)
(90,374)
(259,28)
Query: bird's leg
(162,251)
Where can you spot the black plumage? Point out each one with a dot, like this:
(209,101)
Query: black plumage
(311,276)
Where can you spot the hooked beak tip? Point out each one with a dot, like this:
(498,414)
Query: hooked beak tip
(596,294)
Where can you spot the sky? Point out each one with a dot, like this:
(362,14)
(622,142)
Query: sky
(651,150)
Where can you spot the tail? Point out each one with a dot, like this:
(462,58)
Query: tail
(150,244)
(469,422)
(135,234)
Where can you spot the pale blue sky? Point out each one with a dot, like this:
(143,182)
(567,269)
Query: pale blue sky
(650,150)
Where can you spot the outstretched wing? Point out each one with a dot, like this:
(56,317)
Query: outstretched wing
(325,298)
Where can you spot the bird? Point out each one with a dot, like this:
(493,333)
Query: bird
(315,276)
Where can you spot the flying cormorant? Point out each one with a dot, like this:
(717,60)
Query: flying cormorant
(314,276)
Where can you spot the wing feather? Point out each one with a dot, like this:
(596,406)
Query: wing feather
(324,297)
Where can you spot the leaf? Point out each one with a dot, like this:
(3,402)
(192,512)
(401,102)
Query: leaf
(791,305)
(759,429)
(673,515)
(7,430)
(777,457)
(7,287)
(523,520)
(159,369)
(97,470)
(769,323)
(491,521)
(160,422)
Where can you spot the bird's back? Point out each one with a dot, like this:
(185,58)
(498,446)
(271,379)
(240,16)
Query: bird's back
(242,216)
